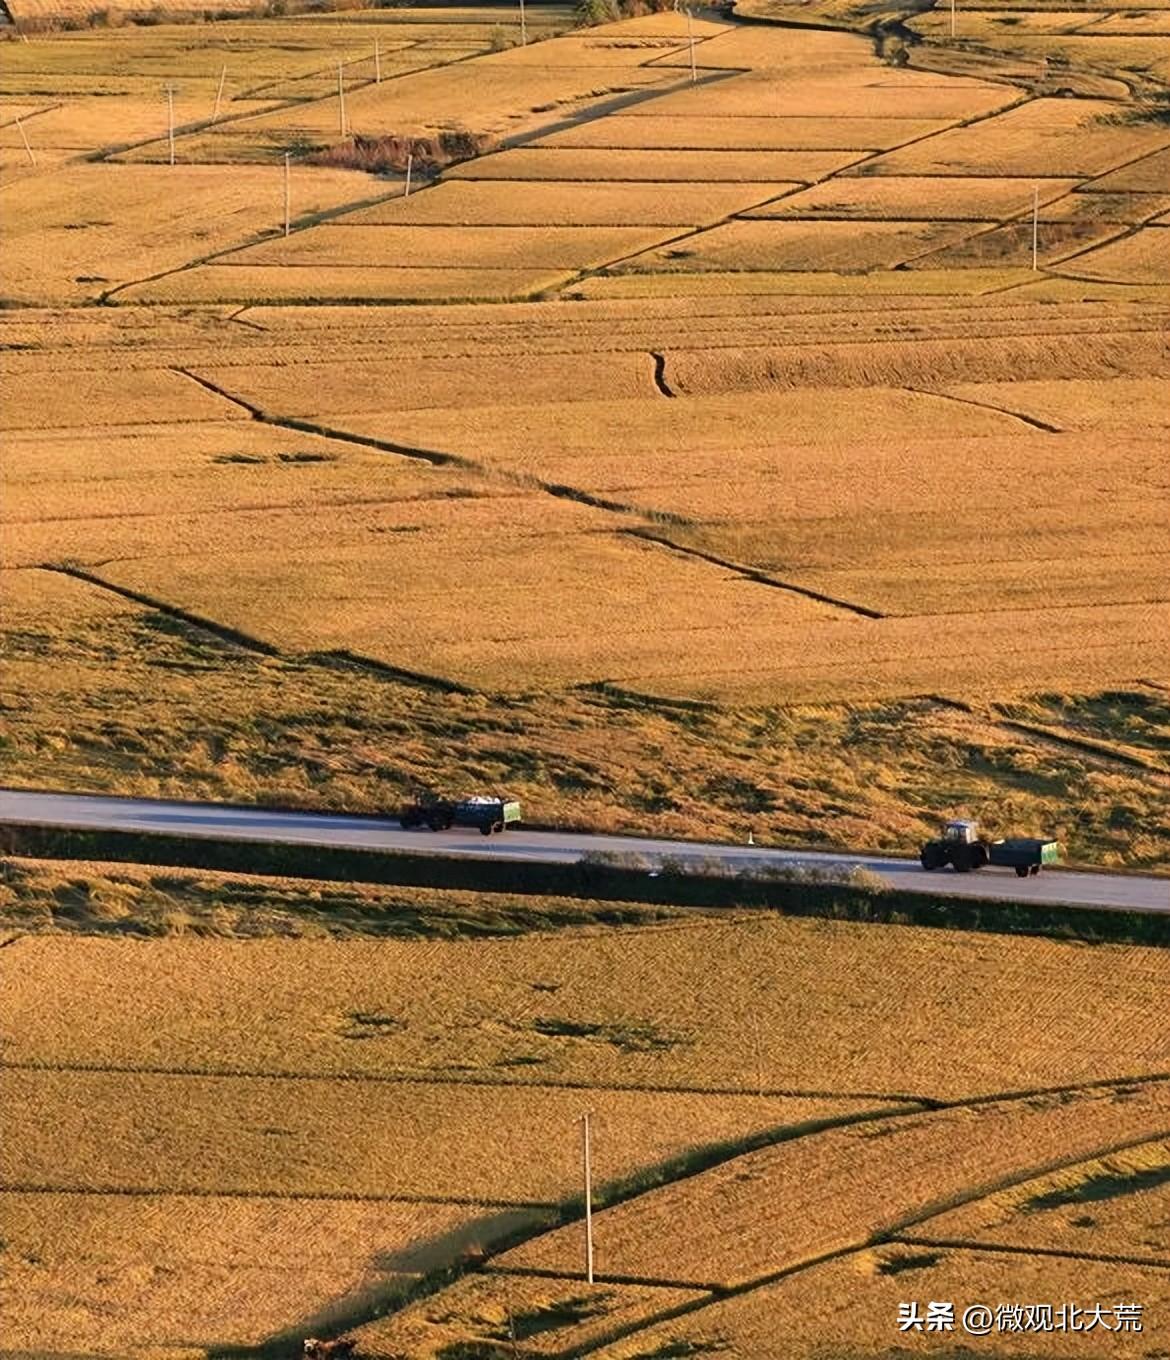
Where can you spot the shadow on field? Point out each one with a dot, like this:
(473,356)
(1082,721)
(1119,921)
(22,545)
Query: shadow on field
(413,1270)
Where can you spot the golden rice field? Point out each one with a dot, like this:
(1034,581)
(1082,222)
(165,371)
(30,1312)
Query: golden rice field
(1116,1205)
(244,1206)
(853,1304)
(748,1006)
(691,457)
(765,1212)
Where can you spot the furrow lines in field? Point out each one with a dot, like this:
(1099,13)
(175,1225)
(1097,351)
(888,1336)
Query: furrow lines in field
(1031,421)
(752,574)
(974,1244)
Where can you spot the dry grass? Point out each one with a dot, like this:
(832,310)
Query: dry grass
(1012,246)
(931,198)
(90,123)
(815,246)
(1115,1206)
(84,229)
(471,203)
(773,1209)
(702,1006)
(851,1306)
(1042,138)
(560,164)
(1128,209)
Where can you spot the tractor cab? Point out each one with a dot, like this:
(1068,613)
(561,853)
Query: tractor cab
(961,833)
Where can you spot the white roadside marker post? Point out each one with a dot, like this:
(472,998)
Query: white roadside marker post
(523,26)
(287,192)
(377,62)
(1035,229)
(953,18)
(409,168)
(587,1168)
(219,94)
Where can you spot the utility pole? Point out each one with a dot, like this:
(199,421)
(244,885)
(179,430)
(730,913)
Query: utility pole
(587,1168)
(377,62)
(287,193)
(953,18)
(691,38)
(169,90)
(24,138)
(409,167)
(341,98)
(219,94)
(523,26)
(1035,228)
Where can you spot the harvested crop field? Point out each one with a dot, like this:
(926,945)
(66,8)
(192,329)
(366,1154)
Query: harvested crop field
(977,199)
(1143,257)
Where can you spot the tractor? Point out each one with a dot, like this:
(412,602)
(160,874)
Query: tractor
(964,849)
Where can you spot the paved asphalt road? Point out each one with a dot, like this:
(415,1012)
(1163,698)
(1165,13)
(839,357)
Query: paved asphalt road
(256,824)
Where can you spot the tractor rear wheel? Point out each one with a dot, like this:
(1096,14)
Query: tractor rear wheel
(932,856)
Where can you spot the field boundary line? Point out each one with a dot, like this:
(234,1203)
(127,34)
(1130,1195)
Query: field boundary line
(346,1196)
(1013,1249)
(919,1104)
(754,574)
(1032,421)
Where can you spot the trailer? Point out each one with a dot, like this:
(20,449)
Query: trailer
(964,849)
(485,812)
